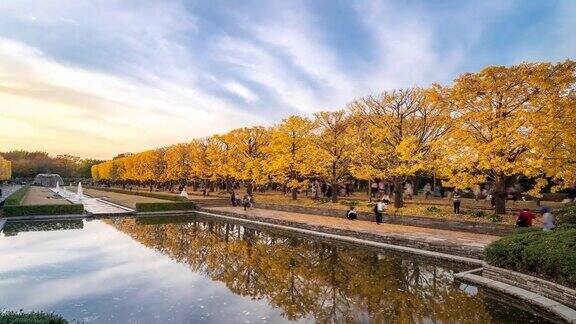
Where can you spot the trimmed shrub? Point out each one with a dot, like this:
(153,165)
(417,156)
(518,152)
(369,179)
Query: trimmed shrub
(10,317)
(349,203)
(15,199)
(324,200)
(142,193)
(36,210)
(433,210)
(477,213)
(566,215)
(495,218)
(549,255)
(159,207)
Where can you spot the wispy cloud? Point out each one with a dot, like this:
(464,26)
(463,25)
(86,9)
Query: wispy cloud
(129,75)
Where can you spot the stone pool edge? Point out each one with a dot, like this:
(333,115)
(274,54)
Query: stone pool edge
(349,239)
(553,306)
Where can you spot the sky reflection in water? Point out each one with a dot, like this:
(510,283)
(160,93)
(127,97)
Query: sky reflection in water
(128,270)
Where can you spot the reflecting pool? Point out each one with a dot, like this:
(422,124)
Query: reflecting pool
(197,270)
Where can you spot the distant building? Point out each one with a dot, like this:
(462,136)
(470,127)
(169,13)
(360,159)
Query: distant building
(48,180)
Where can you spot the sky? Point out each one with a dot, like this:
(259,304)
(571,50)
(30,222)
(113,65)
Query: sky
(98,78)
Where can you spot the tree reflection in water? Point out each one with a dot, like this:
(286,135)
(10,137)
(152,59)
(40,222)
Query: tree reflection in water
(306,278)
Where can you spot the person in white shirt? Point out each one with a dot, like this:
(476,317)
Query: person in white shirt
(378,210)
(547,219)
(351,214)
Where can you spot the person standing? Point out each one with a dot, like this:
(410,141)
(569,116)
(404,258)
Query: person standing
(233,198)
(477,192)
(456,201)
(408,190)
(427,190)
(374,189)
(378,210)
(548,219)
(246,202)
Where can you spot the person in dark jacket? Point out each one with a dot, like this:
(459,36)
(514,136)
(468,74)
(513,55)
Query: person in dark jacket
(351,213)
(233,198)
(457,200)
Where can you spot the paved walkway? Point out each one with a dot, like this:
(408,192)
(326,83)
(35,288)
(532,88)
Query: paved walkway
(437,236)
(94,206)
(8,190)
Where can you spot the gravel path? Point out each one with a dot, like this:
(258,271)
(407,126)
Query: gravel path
(410,232)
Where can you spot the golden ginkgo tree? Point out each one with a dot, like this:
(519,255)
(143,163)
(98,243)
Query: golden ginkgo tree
(5,169)
(402,130)
(289,153)
(245,155)
(509,122)
(333,148)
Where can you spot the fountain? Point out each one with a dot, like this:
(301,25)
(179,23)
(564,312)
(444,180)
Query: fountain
(79,193)
(184,193)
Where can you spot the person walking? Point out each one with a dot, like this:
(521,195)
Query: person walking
(547,219)
(233,198)
(456,201)
(524,219)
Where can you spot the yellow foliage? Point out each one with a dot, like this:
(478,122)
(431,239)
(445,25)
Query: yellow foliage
(495,126)
(5,169)
(511,121)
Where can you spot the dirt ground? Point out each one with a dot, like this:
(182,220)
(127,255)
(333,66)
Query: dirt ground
(42,196)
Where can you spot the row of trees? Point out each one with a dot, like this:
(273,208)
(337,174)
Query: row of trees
(5,169)
(493,126)
(28,164)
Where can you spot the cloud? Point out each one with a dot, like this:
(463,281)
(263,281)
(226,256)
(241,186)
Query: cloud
(241,91)
(48,105)
(118,76)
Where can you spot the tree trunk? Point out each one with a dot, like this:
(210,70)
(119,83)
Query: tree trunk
(294,192)
(500,195)
(249,187)
(334,192)
(398,201)
(370,190)
(228,185)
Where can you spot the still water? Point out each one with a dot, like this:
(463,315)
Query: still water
(195,270)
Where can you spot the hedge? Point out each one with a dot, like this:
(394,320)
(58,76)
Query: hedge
(158,207)
(15,199)
(35,210)
(10,317)
(141,193)
(550,255)
(566,215)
